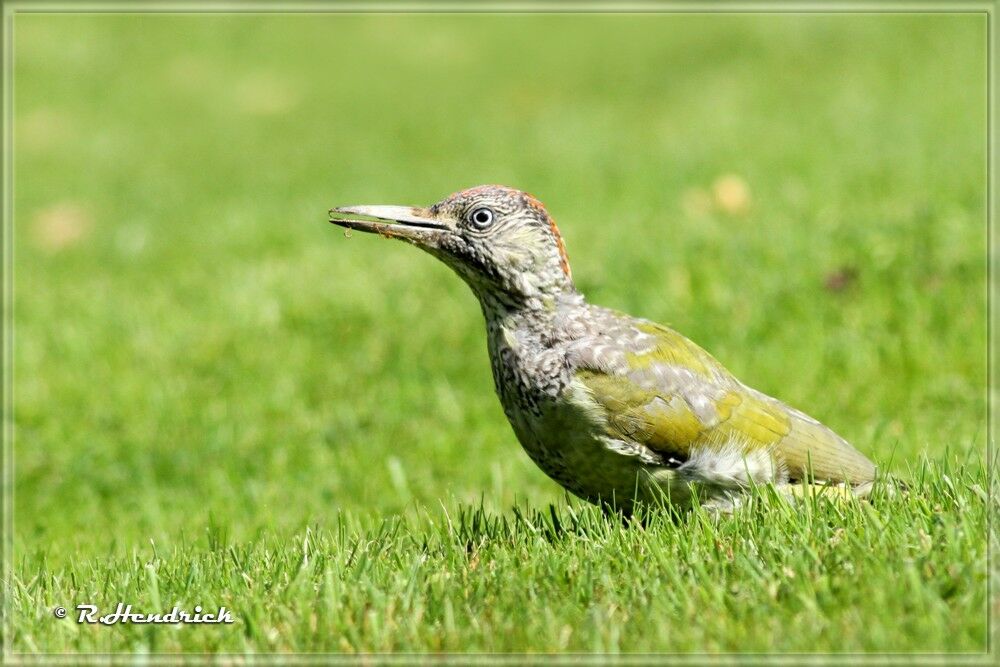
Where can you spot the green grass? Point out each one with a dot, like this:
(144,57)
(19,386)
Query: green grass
(770,578)
(220,400)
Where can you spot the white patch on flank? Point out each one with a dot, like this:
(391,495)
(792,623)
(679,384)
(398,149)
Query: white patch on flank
(732,467)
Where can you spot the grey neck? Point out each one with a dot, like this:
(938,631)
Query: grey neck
(538,310)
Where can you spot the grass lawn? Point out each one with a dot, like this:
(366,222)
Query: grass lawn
(220,400)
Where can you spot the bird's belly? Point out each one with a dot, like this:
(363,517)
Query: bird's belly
(563,437)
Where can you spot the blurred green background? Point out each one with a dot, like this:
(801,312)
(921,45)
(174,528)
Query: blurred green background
(804,196)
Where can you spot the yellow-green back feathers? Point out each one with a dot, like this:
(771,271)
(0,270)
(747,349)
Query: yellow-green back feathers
(673,397)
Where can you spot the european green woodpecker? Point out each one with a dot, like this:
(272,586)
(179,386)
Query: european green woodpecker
(616,409)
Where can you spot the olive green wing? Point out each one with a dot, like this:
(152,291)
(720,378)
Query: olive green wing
(662,391)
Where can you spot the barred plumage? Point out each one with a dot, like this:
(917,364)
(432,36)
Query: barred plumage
(616,409)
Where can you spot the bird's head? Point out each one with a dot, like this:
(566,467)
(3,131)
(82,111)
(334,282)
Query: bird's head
(501,241)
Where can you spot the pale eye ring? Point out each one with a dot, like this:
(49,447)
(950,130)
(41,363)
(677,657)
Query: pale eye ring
(481,218)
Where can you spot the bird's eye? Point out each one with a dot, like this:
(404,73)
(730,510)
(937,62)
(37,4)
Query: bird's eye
(482,218)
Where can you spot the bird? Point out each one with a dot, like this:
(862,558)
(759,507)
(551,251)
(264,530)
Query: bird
(619,410)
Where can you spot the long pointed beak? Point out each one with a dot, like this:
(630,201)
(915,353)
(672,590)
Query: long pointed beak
(410,223)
